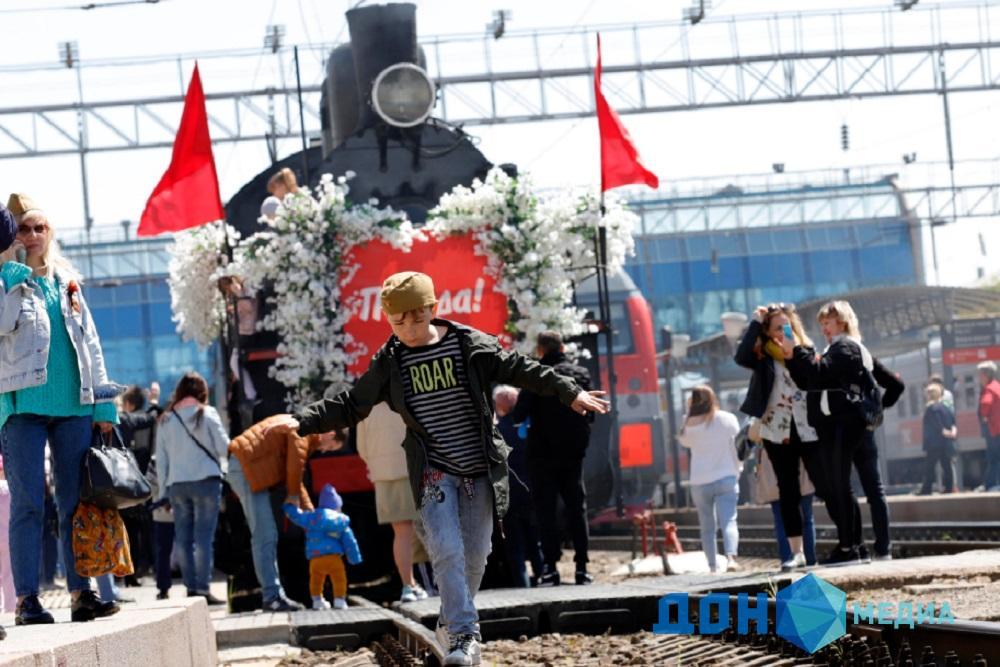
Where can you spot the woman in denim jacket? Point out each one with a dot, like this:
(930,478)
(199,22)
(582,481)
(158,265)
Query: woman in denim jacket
(53,387)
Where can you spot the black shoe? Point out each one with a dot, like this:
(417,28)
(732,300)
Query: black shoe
(209,598)
(89,606)
(863,555)
(840,556)
(163,595)
(549,577)
(31,612)
(582,578)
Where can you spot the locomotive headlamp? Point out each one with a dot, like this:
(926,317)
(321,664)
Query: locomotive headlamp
(403,95)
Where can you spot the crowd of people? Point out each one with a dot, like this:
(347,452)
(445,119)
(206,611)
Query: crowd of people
(456,432)
(815,416)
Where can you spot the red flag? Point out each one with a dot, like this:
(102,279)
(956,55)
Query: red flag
(620,162)
(188,193)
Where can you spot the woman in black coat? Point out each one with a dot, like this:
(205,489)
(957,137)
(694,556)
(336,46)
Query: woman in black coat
(842,428)
(785,413)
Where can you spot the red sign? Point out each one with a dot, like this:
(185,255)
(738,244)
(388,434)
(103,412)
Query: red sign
(465,293)
(970,355)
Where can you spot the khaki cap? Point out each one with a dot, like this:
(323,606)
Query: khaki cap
(19,204)
(406,291)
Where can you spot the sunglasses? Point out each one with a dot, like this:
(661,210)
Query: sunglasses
(24,230)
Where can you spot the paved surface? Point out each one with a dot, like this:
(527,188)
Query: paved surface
(168,633)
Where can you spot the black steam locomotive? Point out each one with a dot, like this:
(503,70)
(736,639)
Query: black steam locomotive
(377,101)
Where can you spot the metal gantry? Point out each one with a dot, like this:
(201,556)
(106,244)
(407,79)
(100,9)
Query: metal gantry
(524,76)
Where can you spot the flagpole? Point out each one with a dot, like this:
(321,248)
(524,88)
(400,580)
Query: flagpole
(604,305)
(302,120)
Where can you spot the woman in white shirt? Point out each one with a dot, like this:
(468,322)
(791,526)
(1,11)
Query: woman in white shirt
(710,434)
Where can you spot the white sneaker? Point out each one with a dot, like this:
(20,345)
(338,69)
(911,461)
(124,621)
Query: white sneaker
(320,603)
(339,603)
(794,563)
(732,565)
(412,594)
(465,650)
(443,637)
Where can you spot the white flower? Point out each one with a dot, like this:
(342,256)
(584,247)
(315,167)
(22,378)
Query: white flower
(534,248)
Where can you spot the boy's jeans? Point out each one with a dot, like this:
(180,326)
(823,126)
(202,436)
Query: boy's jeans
(457,515)
(196,513)
(263,531)
(23,440)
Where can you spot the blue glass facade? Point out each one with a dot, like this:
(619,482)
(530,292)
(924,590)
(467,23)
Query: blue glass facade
(691,277)
(125,285)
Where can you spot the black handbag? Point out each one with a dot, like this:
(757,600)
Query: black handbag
(111,478)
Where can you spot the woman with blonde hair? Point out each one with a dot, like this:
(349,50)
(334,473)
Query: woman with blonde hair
(54,388)
(939,440)
(282,183)
(786,415)
(845,367)
(710,434)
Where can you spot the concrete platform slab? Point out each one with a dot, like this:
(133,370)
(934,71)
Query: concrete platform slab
(340,628)
(897,573)
(627,606)
(252,628)
(169,633)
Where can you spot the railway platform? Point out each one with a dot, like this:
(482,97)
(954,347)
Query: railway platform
(624,607)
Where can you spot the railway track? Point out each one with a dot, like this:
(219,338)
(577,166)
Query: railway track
(908,539)
(961,644)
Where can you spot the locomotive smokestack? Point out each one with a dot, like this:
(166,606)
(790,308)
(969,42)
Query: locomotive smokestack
(381,35)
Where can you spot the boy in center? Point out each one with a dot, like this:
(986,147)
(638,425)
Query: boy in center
(438,375)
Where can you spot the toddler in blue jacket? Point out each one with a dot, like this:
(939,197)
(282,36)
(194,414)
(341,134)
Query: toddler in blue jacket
(328,539)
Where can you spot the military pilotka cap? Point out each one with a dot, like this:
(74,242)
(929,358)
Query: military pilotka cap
(406,291)
(19,204)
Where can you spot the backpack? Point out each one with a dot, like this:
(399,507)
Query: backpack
(866,398)
(100,543)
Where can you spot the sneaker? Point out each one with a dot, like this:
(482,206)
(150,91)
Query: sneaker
(163,595)
(732,565)
(89,606)
(582,578)
(443,637)
(863,554)
(841,556)
(319,602)
(339,603)
(794,563)
(550,576)
(413,593)
(281,604)
(887,556)
(465,650)
(31,612)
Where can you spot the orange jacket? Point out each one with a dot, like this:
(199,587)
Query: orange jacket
(274,458)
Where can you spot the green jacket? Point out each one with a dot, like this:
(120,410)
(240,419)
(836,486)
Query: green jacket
(486,363)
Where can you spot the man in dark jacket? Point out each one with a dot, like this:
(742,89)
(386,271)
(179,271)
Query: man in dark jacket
(137,425)
(557,443)
(437,375)
(866,463)
(520,527)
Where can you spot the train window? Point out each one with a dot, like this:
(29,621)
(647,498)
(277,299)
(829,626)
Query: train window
(623,329)
(916,393)
(971,398)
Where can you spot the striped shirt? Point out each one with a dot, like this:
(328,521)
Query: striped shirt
(436,388)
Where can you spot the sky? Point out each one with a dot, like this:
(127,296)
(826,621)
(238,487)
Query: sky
(681,147)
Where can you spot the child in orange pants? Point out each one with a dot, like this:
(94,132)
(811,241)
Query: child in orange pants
(328,539)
